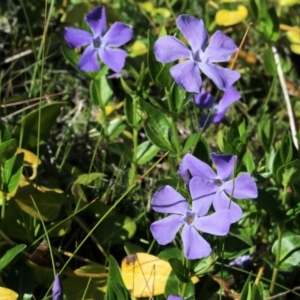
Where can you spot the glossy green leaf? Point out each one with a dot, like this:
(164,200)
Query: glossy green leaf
(70,55)
(179,270)
(115,287)
(132,109)
(164,78)
(158,127)
(12,173)
(271,25)
(115,128)
(177,98)
(249,162)
(29,124)
(247,290)
(145,152)
(7,150)
(266,132)
(4,133)
(92,271)
(100,91)
(290,251)
(153,65)
(169,253)
(10,255)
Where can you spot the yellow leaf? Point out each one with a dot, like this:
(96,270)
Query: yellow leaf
(145,275)
(137,48)
(92,271)
(288,2)
(226,17)
(7,294)
(294,38)
(30,159)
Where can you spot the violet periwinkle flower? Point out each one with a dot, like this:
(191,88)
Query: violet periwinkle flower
(200,58)
(57,290)
(174,297)
(206,100)
(223,184)
(167,200)
(100,43)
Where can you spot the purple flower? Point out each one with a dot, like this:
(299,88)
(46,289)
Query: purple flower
(241,187)
(206,100)
(174,297)
(57,290)
(167,200)
(186,74)
(100,43)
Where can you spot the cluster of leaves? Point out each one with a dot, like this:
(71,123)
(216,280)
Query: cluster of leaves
(81,154)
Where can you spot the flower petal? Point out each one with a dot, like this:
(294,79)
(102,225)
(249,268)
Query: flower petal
(230,96)
(218,117)
(194,245)
(243,187)
(204,100)
(117,35)
(222,77)
(225,164)
(191,166)
(220,48)
(168,49)
(194,31)
(164,230)
(167,200)
(218,223)
(222,201)
(96,19)
(77,37)
(202,193)
(113,58)
(187,75)
(88,61)
(57,289)
(174,297)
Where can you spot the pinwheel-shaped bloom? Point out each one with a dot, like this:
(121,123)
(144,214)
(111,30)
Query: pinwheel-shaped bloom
(241,187)
(206,100)
(167,200)
(100,43)
(200,57)
(57,290)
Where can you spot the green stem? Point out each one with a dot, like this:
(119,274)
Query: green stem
(176,138)
(277,261)
(187,265)
(134,140)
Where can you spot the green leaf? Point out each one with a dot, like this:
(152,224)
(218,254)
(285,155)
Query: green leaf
(266,132)
(29,125)
(202,150)
(179,270)
(4,133)
(115,128)
(289,253)
(254,7)
(115,230)
(7,150)
(145,152)
(235,247)
(169,253)
(289,174)
(10,255)
(247,291)
(269,204)
(271,25)
(121,149)
(177,98)
(158,127)
(116,289)
(154,66)
(17,224)
(164,78)
(48,201)
(100,91)
(132,109)
(12,173)
(86,179)
(269,61)
(70,55)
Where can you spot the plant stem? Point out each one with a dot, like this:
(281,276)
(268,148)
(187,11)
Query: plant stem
(134,140)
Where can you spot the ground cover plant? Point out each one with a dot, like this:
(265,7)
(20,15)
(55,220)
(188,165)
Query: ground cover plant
(149,149)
